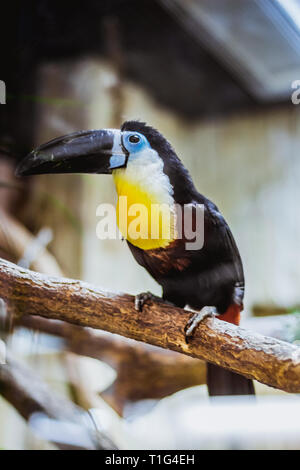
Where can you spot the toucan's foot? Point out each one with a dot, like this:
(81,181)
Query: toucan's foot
(195,321)
(142,298)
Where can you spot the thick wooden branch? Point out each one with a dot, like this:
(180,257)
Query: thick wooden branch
(265,359)
(145,371)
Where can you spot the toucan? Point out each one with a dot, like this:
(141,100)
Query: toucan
(147,171)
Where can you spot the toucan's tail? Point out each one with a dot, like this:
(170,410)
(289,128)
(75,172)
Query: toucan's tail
(224,382)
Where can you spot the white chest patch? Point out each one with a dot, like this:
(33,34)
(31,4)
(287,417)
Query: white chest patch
(146,170)
(144,182)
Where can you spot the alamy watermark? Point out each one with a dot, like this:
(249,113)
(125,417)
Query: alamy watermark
(295,96)
(2,92)
(4,328)
(2,352)
(157,222)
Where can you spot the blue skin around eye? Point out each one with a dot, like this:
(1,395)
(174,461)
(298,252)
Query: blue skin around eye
(118,160)
(134,148)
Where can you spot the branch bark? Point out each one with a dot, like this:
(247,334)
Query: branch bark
(145,371)
(265,359)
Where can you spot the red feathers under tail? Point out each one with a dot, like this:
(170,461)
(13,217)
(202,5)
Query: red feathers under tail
(224,382)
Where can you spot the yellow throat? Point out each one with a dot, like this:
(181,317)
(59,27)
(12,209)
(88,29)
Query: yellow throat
(145,208)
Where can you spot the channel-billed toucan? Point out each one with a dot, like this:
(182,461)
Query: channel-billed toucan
(147,171)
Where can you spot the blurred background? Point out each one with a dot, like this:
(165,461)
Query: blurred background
(216,78)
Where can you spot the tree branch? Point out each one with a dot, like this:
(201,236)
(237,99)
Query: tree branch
(34,400)
(143,371)
(265,359)
(15,238)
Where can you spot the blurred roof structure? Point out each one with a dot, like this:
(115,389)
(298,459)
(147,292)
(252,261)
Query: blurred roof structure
(198,59)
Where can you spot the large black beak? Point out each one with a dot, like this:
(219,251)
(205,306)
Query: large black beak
(95,151)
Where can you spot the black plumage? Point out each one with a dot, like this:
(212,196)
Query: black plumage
(208,277)
(211,276)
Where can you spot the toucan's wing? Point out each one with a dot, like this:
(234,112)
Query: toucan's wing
(222,242)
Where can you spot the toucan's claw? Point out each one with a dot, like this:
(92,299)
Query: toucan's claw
(195,321)
(142,298)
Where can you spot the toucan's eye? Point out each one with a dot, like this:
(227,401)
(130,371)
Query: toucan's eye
(134,139)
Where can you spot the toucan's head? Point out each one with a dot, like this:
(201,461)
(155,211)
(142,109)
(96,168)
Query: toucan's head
(146,170)
(134,147)
(93,151)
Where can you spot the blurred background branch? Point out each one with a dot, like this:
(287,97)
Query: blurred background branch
(31,397)
(143,371)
